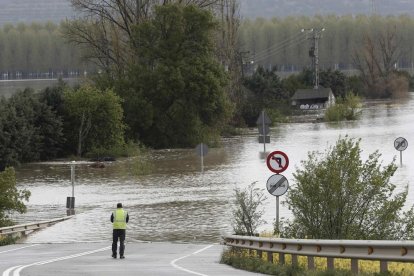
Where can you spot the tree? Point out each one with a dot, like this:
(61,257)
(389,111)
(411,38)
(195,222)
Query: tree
(248,211)
(94,119)
(29,130)
(334,80)
(175,94)
(106,28)
(11,199)
(267,92)
(376,61)
(339,196)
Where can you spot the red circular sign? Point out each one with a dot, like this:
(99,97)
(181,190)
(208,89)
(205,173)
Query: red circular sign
(277,161)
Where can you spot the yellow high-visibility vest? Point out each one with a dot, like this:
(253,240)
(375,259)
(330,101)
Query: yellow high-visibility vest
(120,219)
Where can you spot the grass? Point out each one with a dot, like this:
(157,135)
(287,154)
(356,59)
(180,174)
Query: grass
(241,259)
(7,240)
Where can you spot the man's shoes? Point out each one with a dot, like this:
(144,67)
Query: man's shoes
(122,257)
(114,256)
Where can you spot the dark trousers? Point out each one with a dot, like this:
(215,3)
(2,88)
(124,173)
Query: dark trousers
(118,234)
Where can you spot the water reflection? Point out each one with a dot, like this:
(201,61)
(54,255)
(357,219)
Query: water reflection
(177,202)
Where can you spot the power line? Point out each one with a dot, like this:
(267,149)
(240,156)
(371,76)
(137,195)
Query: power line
(272,51)
(277,45)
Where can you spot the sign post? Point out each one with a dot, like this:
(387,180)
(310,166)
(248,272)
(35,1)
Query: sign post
(263,123)
(400,144)
(70,201)
(277,185)
(202,150)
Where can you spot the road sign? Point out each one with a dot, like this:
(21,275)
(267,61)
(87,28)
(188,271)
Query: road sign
(263,119)
(400,144)
(202,149)
(264,139)
(277,185)
(277,161)
(264,130)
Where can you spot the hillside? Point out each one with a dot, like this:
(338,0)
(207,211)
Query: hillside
(283,8)
(14,11)
(27,11)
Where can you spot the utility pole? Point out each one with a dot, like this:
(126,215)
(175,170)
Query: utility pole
(373,7)
(137,11)
(314,52)
(242,54)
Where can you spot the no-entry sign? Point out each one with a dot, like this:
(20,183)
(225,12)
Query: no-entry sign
(277,161)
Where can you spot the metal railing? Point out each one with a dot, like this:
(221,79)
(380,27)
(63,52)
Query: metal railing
(383,251)
(23,228)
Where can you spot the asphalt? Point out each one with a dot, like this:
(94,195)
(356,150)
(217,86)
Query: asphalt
(95,259)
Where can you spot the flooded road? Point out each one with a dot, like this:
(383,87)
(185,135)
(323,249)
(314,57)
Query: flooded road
(178,202)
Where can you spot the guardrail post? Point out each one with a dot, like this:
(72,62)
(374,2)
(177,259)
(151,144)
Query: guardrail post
(294,260)
(311,263)
(270,257)
(383,266)
(330,263)
(282,258)
(354,266)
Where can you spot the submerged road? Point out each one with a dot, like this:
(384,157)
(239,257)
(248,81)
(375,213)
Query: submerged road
(95,259)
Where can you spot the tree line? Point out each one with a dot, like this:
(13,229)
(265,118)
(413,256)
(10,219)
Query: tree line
(285,42)
(29,49)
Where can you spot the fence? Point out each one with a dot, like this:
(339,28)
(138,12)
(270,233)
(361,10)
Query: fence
(23,228)
(383,251)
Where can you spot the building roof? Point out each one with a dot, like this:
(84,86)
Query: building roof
(306,94)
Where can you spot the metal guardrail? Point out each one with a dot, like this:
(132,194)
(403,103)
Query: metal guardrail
(383,251)
(23,228)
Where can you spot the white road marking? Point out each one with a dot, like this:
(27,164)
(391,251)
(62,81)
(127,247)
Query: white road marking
(19,268)
(18,248)
(173,263)
(7,271)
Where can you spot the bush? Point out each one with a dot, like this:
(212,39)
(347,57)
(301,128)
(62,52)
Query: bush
(124,150)
(346,109)
(239,258)
(7,240)
(247,215)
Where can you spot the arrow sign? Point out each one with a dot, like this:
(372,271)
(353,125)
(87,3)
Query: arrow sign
(277,161)
(263,119)
(277,185)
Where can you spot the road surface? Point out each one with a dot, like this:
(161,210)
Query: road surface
(142,259)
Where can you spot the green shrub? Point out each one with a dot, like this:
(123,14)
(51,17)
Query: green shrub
(125,150)
(7,240)
(239,259)
(345,109)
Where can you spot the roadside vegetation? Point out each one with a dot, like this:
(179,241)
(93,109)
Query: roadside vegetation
(11,199)
(241,259)
(337,179)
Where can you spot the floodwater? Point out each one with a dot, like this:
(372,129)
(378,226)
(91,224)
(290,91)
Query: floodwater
(180,202)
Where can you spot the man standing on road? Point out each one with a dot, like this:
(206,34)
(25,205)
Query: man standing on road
(119,218)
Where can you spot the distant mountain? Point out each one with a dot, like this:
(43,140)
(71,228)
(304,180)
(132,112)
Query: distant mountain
(283,8)
(14,11)
(27,11)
